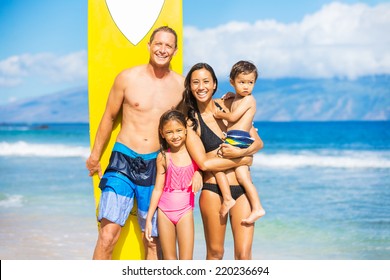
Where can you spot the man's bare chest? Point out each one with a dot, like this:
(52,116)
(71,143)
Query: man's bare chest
(152,101)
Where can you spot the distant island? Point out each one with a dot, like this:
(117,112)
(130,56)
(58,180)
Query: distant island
(363,99)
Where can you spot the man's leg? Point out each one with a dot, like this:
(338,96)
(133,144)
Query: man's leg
(108,236)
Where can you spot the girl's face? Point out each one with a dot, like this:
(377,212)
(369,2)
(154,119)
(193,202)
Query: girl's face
(174,132)
(202,85)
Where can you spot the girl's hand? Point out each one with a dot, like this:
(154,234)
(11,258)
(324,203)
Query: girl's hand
(148,231)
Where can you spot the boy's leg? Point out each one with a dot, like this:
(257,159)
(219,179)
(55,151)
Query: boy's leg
(244,178)
(223,184)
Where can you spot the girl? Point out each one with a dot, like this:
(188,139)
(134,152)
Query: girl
(173,193)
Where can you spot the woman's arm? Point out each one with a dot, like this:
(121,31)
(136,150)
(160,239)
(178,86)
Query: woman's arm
(229,151)
(197,152)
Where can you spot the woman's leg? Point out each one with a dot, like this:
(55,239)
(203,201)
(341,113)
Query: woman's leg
(167,235)
(214,225)
(242,233)
(185,236)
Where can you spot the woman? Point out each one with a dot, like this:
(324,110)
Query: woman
(204,142)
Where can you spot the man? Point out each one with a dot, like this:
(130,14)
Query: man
(142,93)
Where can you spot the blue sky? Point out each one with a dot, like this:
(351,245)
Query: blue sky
(44,42)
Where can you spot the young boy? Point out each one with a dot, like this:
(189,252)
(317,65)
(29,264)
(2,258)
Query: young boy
(243,76)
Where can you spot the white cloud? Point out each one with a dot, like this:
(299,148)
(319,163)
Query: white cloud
(46,66)
(338,41)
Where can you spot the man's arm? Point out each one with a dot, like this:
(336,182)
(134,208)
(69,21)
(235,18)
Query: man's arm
(113,106)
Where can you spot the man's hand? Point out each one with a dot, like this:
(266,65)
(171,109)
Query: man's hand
(93,165)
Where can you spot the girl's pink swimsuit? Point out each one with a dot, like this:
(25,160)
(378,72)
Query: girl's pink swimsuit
(177,197)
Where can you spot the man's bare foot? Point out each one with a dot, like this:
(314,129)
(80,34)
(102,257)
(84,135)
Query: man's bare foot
(226,206)
(254,215)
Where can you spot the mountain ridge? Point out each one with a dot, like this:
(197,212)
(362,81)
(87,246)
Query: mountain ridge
(290,99)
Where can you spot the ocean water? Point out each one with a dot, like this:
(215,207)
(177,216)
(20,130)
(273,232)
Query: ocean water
(325,187)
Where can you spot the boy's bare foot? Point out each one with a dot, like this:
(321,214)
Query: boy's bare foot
(226,206)
(254,215)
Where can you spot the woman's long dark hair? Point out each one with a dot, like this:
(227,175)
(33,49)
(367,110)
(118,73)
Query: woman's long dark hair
(189,99)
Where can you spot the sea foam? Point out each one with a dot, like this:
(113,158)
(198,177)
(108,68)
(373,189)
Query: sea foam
(24,149)
(331,159)
(8,201)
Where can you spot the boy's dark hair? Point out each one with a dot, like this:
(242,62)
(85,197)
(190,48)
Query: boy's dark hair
(243,67)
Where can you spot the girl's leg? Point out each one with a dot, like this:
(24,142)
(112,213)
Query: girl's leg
(228,201)
(242,233)
(185,236)
(214,225)
(244,178)
(167,236)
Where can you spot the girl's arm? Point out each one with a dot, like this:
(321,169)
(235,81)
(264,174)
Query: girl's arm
(197,152)
(156,194)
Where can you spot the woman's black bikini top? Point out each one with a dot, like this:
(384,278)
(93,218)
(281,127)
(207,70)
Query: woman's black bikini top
(209,139)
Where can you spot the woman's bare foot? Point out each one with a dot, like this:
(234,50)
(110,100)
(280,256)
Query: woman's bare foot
(226,206)
(254,215)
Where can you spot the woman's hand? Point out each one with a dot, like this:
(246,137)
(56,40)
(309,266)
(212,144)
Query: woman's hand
(197,181)
(229,151)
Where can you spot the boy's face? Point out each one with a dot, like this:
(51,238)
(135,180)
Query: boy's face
(244,83)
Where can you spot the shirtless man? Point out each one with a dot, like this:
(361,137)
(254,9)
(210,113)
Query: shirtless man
(143,93)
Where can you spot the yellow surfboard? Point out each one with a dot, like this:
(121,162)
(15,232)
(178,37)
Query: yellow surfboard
(118,33)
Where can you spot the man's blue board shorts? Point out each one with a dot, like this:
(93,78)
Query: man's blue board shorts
(129,176)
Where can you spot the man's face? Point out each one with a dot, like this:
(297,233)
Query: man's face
(162,48)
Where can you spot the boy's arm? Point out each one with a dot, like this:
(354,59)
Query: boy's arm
(246,104)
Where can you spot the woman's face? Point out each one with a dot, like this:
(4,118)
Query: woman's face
(202,85)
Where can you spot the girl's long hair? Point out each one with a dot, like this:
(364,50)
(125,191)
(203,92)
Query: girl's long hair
(189,99)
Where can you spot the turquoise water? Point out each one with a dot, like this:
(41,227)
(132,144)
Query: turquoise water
(325,187)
